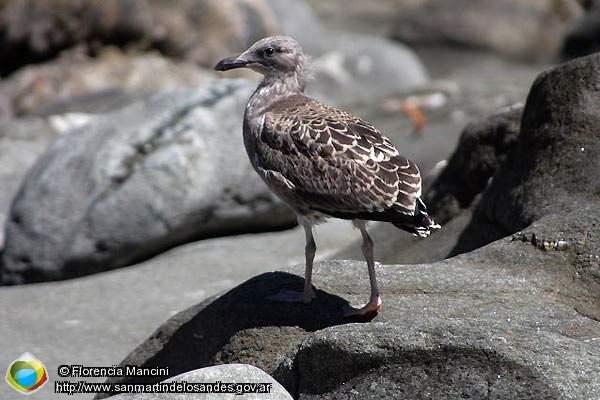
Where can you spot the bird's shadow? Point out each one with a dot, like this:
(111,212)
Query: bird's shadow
(192,338)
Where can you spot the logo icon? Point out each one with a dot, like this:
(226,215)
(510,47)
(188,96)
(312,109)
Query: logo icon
(26,374)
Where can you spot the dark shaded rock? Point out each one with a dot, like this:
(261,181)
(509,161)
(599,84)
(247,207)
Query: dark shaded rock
(198,30)
(556,161)
(382,361)
(531,30)
(240,324)
(33,31)
(482,148)
(240,374)
(585,38)
(137,181)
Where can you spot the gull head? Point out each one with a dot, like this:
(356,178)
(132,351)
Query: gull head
(273,57)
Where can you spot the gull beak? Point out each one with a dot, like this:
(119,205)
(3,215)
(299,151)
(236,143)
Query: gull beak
(231,63)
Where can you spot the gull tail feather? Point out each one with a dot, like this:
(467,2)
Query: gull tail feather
(422,223)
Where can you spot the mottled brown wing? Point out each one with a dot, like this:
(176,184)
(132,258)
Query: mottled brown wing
(336,162)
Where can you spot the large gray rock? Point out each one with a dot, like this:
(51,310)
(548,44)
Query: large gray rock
(243,377)
(554,167)
(359,68)
(489,322)
(517,318)
(556,162)
(137,181)
(528,30)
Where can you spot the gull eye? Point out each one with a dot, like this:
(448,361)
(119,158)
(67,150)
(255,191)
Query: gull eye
(269,51)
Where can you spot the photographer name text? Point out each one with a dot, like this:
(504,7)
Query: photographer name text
(80,371)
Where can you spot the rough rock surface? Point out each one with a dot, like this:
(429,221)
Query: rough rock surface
(241,374)
(201,31)
(484,323)
(531,30)
(556,161)
(139,180)
(517,318)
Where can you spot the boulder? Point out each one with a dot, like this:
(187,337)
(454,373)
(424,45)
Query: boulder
(516,318)
(137,181)
(556,161)
(202,31)
(358,68)
(488,322)
(532,30)
(239,379)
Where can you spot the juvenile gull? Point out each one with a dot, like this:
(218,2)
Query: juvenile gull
(322,161)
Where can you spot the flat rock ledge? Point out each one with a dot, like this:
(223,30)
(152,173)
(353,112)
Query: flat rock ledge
(507,321)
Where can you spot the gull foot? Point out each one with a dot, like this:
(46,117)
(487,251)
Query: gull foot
(291,296)
(365,313)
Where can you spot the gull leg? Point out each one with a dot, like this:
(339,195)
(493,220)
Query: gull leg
(310,250)
(374,304)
